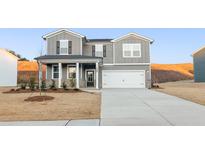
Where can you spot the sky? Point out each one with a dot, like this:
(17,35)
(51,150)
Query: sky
(170,45)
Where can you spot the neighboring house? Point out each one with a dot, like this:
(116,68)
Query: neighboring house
(8,68)
(199,65)
(123,62)
(28,70)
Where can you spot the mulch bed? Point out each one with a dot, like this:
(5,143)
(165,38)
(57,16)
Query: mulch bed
(39,98)
(16,91)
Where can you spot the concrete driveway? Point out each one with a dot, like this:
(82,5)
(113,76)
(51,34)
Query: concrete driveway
(143,107)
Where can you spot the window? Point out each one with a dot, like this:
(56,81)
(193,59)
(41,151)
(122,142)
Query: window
(99,50)
(64,47)
(71,72)
(131,50)
(55,71)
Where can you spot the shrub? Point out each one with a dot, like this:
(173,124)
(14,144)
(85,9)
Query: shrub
(53,85)
(32,83)
(23,84)
(64,85)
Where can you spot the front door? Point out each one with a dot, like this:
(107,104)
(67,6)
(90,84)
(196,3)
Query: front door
(90,78)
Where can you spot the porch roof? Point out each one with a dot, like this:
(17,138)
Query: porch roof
(68,58)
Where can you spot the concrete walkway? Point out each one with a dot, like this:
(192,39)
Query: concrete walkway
(143,107)
(84,122)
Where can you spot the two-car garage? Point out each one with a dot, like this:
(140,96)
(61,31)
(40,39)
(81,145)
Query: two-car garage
(123,78)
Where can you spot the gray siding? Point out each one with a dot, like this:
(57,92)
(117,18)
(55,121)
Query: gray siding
(199,67)
(145,55)
(76,43)
(49,72)
(133,67)
(87,50)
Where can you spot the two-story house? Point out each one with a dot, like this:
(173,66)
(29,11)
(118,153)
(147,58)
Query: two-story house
(123,62)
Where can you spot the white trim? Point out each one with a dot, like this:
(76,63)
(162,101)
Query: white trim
(52,71)
(77,75)
(81,46)
(97,75)
(121,64)
(131,56)
(135,35)
(60,74)
(46,46)
(67,47)
(113,53)
(61,31)
(68,65)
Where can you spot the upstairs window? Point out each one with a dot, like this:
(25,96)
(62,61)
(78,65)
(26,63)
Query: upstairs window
(99,50)
(64,47)
(131,50)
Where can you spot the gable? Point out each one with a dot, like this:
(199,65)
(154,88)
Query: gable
(199,52)
(7,54)
(134,35)
(132,39)
(62,31)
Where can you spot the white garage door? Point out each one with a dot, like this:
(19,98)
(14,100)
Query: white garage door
(123,79)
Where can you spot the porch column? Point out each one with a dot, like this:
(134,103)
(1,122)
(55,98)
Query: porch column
(77,75)
(97,75)
(60,74)
(39,74)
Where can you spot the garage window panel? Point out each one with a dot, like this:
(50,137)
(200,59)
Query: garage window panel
(131,50)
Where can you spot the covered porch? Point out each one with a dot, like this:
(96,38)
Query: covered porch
(83,71)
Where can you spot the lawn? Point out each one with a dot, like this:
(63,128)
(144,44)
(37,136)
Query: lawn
(188,90)
(79,105)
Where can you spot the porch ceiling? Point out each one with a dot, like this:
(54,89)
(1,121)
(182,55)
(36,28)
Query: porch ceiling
(68,59)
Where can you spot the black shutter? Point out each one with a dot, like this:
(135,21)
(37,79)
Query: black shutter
(93,51)
(70,47)
(104,50)
(57,47)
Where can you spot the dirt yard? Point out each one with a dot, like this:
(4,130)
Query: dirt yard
(185,89)
(79,105)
